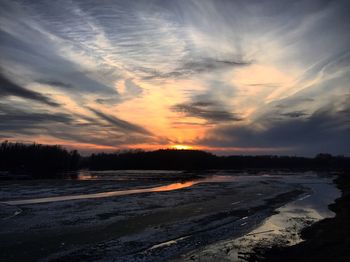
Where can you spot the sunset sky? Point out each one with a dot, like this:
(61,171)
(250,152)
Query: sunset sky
(231,77)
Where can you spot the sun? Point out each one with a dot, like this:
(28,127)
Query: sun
(181,147)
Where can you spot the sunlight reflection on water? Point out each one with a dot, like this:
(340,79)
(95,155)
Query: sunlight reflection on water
(169,187)
(174,186)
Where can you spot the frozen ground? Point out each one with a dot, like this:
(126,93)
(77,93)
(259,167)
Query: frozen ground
(197,214)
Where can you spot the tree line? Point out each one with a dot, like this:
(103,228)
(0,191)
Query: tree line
(49,159)
(37,158)
(199,160)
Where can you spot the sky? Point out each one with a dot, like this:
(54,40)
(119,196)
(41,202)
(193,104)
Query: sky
(230,77)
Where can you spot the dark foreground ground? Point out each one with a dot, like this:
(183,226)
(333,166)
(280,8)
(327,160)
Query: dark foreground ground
(151,226)
(327,240)
(180,225)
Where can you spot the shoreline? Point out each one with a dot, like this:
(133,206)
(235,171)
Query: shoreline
(326,240)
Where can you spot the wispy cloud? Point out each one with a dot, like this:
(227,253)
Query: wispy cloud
(193,68)
(121,124)
(118,72)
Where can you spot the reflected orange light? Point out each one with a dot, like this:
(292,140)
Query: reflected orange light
(174,186)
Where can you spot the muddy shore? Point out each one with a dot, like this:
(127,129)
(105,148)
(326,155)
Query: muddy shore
(326,240)
(154,226)
(151,226)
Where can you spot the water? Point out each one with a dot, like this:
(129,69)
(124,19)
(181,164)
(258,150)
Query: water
(129,175)
(170,187)
(122,175)
(282,228)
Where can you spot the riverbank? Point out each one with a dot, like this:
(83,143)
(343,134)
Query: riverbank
(327,240)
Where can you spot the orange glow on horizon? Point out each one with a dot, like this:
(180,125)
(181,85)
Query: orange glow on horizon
(181,147)
(87,148)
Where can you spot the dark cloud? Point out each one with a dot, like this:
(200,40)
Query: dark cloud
(191,68)
(206,65)
(19,121)
(326,130)
(295,114)
(55,83)
(108,101)
(207,110)
(35,52)
(28,119)
(292,101)
(121,124)
(9,88)
(131,91)
(192,124)
(70,127)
